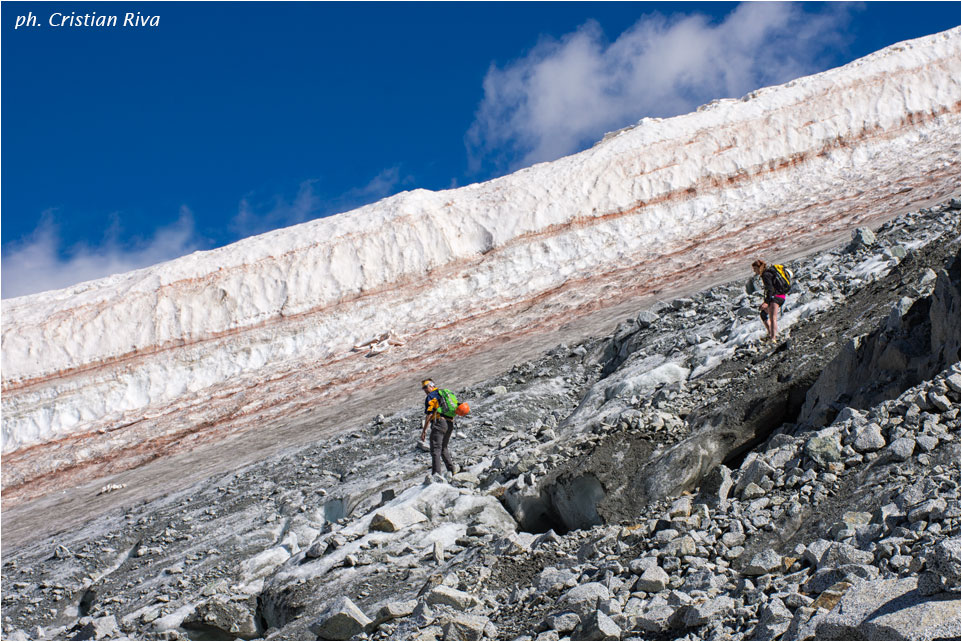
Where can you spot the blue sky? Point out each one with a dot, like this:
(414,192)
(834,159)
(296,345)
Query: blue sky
(126,146)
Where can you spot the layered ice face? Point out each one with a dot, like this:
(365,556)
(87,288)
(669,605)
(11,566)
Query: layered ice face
(261,332)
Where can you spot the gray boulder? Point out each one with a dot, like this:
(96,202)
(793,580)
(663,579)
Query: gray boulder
(824,448)
(901,449)
(891,609)
(98,628)
(598,626)
(680,508)
(231,617)
(646,319)
(703,580)
(868,438)
(943,561)
(451,597)
(565,622)
(464,626)
(929,510)
(941,402)
(765,562)
(584,599)
(553,579)
(395,518)
(752,491)
(839,554)
(863,237)
(342,620)
(753,471)
(774,621)
(392,611)
(703,612)
(655,619)
(653,580)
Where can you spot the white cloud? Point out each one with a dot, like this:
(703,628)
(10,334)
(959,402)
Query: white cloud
(41,261)
(565,94)
(36,263)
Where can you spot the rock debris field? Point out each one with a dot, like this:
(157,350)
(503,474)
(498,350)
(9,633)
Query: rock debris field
(680,478)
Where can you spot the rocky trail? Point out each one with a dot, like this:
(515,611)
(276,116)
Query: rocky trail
(676,479)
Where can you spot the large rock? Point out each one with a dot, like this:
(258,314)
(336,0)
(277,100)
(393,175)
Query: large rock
(901,449)
(775,620)
(863,237)
(753,471)
(98,628)
(680,508)
(814,551)
(656,619)
(391,611)
(565,622)
(451,597)
(464,626)
(645,319)
(824,448)
(598,626)
(704,612)
(553,579)
(396,518)
(342,620)
(868,438)
(653,580)
(584,599)
(892,609)
(221,613)
(764,562)
(839,554)
(943,561)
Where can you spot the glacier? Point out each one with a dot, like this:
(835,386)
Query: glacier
(262,333)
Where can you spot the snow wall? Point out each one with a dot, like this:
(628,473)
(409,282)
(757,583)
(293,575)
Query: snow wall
(254,333)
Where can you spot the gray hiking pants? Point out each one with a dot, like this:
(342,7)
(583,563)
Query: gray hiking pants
(441,429)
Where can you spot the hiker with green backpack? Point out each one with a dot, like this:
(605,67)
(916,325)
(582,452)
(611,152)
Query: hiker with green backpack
(440,408)
(777,280)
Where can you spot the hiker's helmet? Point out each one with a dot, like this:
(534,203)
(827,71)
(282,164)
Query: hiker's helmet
(427,385)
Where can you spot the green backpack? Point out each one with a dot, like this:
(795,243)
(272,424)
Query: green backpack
(449,403)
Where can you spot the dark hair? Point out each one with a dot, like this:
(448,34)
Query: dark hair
(758,263)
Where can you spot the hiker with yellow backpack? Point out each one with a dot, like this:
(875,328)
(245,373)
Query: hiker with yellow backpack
(440,408)
(777,280)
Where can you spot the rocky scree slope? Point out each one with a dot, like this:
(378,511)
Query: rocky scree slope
(676,479)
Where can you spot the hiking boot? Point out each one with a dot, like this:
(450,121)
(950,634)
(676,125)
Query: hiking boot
(436,478)
(456,469)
